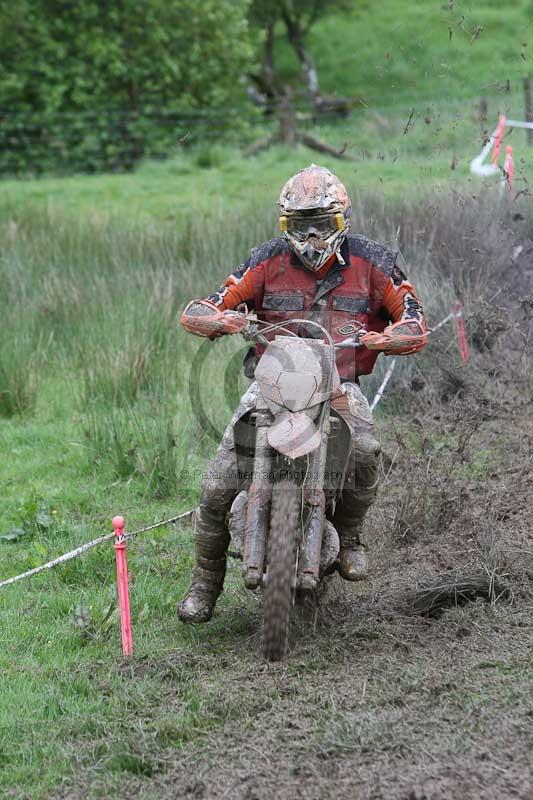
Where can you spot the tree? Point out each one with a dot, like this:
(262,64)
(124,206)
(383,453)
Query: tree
(63,55)
(109,68)
(296,18)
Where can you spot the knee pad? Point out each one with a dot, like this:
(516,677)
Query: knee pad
(216,493)
(365,447)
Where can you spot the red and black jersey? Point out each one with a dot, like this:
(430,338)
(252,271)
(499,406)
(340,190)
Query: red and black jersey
(368,290)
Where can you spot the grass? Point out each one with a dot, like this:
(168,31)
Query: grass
(423,49)
(96,419)
(110,429)
(64,685)
(93,274)
(425,63)
(177,192)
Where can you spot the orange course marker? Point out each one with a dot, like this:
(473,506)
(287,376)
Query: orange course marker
(122,586)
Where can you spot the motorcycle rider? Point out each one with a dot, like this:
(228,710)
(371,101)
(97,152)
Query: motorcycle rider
(315,270)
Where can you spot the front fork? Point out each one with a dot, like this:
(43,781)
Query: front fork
(315,500)
(258,509)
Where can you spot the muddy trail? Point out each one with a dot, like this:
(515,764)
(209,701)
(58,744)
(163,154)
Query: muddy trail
(414,685)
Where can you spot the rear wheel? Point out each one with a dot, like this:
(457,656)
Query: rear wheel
(281,568)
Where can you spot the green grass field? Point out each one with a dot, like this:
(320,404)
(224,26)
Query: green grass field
(432,51)
(96,419)
(383,161)
(95,386)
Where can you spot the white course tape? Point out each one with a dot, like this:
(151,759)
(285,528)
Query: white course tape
(478,167)
(384,382)
(450,316)
(87,546)
(513,123)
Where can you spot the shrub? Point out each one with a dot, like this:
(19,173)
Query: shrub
(97,86)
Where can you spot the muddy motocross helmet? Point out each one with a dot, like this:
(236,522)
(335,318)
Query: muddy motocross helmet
(315,215)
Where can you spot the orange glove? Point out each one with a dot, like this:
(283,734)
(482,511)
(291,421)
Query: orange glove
(400,339)
(203,318)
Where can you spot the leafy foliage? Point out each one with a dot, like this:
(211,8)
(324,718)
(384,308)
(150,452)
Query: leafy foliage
(95,85)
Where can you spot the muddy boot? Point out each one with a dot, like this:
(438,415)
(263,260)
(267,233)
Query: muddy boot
(353,560)
(358,496)
(211,539)
(206,585)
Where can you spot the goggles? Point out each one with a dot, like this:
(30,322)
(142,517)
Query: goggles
(300,227)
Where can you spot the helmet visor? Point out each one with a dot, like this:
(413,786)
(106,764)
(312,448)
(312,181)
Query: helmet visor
(322,226)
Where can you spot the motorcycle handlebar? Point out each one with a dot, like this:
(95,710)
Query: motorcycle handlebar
(351,342)
(204,319)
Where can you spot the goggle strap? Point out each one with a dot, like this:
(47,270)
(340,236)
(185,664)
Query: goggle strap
(339,219)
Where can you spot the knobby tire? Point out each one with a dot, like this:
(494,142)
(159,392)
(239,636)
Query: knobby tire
(281,568)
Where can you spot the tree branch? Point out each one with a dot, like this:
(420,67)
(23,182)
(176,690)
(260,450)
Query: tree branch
(313,16)
(296,40)
(266,92)
(322,147)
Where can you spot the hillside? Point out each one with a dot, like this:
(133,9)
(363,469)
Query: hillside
(378,696)
(415,73)
(429,50)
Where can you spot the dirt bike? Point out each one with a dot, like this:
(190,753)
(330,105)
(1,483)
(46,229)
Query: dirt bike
(292,451)
(292,454)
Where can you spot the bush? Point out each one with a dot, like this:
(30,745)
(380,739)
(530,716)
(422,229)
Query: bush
(96,86)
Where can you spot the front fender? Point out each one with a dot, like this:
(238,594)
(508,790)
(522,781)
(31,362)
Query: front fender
(293,434)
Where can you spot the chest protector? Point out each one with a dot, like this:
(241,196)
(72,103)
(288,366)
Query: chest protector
(349,297)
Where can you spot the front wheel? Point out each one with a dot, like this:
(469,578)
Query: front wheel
(281,568)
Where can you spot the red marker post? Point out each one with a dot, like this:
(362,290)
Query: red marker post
(122,586)
(463,344)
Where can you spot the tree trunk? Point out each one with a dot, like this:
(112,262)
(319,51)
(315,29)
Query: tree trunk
(286,117)
(264,93)
(269,69)
(307,66)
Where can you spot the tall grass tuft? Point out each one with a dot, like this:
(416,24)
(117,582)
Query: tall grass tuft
(102,299)
(149,439)
(21,361)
